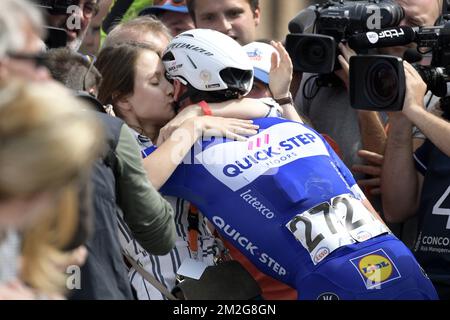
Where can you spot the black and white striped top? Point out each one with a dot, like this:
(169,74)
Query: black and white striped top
(164,268)
(9,255)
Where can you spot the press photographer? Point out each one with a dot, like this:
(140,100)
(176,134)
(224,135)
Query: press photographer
(67,21)
(422,177)
(378,82)
(317,30)
(360,134)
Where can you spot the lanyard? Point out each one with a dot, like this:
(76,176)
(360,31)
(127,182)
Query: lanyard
(193,223)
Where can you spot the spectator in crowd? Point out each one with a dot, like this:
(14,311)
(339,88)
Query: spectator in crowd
(122,11)
(148,30)
(173,13)
(75,19)
(92,40)
(273,75)
(121,190)
(417,183)
(39,180)
(21,30)
(236,18)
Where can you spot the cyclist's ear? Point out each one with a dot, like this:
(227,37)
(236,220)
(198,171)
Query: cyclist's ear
(178,89)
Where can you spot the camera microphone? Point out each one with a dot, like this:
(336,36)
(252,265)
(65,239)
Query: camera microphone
(303,22)
(390,37)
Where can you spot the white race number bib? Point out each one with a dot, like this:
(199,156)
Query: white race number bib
(330,225)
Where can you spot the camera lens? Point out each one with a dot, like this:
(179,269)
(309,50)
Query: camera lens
(382,83)
(312,52)
(391,15)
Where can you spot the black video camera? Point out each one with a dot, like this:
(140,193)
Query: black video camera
(329,24)
(56,6)
(378,82)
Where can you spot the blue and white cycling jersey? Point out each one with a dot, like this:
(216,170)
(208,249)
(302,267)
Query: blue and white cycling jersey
(288,203)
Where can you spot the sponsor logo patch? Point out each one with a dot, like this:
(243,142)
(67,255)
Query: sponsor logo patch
(238,163)
(328,296)
(255,55)
(321,254)
(376,268)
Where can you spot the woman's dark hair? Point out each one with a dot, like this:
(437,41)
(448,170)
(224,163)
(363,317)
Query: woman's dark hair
(117,64)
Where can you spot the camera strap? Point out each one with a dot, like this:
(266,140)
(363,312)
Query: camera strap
(193,229)
(193,223)
(152,280)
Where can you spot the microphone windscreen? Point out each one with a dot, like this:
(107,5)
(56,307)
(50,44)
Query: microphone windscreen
(391,37)
(303,22)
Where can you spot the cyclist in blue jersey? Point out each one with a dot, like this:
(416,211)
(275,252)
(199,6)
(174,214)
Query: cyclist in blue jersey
(283,197)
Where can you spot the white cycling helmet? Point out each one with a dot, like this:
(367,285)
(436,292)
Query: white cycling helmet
(209,61)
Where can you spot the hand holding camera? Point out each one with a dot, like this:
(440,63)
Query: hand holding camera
(317,30)
(379,83)
(376,82)
(344,57)
(416,89)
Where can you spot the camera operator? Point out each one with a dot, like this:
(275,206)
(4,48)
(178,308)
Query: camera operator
(330,112)
(74,16)
(423,178)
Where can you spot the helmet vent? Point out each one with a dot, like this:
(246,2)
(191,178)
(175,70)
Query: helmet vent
(168,57)
(236,78)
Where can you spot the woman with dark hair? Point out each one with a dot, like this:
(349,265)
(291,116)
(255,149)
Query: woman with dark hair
(134,83)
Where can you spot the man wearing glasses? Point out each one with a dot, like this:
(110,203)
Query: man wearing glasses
(21,29)
(74,16)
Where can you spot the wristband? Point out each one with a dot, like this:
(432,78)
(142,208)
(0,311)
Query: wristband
(205,108)
(285,100)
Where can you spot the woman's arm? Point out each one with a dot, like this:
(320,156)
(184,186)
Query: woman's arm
(175,141)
